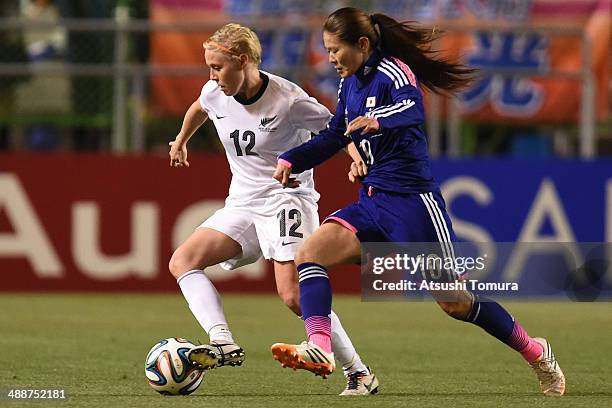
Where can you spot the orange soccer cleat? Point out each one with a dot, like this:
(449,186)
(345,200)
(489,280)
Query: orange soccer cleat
(305,356)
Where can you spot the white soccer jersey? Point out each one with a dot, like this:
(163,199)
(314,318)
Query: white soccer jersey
(255,132)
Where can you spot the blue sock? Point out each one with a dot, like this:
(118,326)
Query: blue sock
(315,290)
(493,318)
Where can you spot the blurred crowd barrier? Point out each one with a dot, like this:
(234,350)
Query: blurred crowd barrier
(106,75)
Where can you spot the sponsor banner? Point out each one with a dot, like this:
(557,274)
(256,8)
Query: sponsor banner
(492,97)
(512,200)
(110,223)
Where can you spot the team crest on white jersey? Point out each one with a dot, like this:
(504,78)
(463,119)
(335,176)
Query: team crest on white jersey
(371,102)
(263,124)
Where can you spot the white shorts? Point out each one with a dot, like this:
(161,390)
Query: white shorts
(275,228)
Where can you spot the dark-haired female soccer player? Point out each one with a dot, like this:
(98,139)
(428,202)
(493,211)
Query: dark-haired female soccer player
(383,65)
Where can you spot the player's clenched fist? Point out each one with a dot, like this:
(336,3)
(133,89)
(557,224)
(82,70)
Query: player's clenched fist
(178,154)
(282,174)
(358,169)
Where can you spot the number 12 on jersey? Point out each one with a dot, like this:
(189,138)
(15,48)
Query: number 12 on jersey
(249,136)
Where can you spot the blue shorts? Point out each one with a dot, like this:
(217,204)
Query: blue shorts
(381,216)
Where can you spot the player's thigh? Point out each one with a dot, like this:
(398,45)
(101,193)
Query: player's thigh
(204,247)
(331,244)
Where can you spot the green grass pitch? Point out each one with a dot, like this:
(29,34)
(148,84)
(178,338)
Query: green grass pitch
(94,346)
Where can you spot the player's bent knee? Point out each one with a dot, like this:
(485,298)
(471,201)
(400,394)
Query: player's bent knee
(305,254)
(174,268)
(456,310)
(180,264)
(292,300)
(287,295)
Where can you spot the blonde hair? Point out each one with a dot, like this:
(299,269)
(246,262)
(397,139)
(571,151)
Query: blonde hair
(235,39)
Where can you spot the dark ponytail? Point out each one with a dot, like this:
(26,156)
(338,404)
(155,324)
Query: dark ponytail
(410,44)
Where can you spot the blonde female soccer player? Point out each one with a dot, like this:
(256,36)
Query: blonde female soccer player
(257,116)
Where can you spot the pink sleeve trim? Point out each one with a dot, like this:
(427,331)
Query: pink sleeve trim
(407,71)
(344,223)
(285,163)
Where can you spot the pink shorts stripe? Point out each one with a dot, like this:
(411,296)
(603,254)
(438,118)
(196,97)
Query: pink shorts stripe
(344,223)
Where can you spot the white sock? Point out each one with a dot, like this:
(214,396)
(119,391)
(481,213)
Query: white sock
(205,304)
(220,334)
(343,348)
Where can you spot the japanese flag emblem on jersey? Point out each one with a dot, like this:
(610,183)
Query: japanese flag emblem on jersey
(371,102)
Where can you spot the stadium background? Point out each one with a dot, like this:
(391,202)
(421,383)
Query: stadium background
(92,91)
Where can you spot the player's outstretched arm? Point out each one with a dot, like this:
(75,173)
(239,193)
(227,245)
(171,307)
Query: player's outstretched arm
(325,144)
(194,118)
(315,151)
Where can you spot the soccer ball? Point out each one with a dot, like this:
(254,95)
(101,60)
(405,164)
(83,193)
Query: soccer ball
(168,369)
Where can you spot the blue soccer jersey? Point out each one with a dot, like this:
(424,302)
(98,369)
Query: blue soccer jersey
(397,154)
